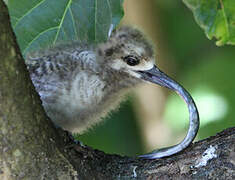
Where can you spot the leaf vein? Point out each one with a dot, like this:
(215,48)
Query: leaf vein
(75,30)
(37,37)
(13,17)
(30,10)
(225,17)
(62,20)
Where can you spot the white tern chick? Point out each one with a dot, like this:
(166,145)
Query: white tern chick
(80,83)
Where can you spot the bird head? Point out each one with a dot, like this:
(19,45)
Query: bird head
(129,52)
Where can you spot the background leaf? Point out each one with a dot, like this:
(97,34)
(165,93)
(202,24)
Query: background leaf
(42,23)
(216,17)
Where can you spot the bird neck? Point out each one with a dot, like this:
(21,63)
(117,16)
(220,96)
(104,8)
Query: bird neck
(117,80)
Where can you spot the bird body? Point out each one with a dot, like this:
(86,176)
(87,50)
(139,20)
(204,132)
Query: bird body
(76,92)
(80,83)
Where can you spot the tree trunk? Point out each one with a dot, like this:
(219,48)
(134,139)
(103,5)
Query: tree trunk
(27,138)
(31,148)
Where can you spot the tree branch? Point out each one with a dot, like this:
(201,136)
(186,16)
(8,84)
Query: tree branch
(207,159)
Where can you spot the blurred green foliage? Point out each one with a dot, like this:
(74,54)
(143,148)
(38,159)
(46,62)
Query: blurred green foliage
(216,18)
(42,23)
(204,69)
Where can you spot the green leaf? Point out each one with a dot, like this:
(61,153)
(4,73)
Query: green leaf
(42,23)
(216,18)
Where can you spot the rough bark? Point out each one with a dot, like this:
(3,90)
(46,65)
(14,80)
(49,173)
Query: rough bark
(30,147)
(27,138)
(212,158)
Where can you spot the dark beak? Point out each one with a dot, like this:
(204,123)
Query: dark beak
(156,76)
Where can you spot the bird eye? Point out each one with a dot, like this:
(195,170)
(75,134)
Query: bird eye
(131,60)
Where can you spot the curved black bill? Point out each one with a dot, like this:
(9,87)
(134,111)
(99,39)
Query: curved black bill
(156,76)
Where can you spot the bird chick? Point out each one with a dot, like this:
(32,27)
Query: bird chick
(80,83)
